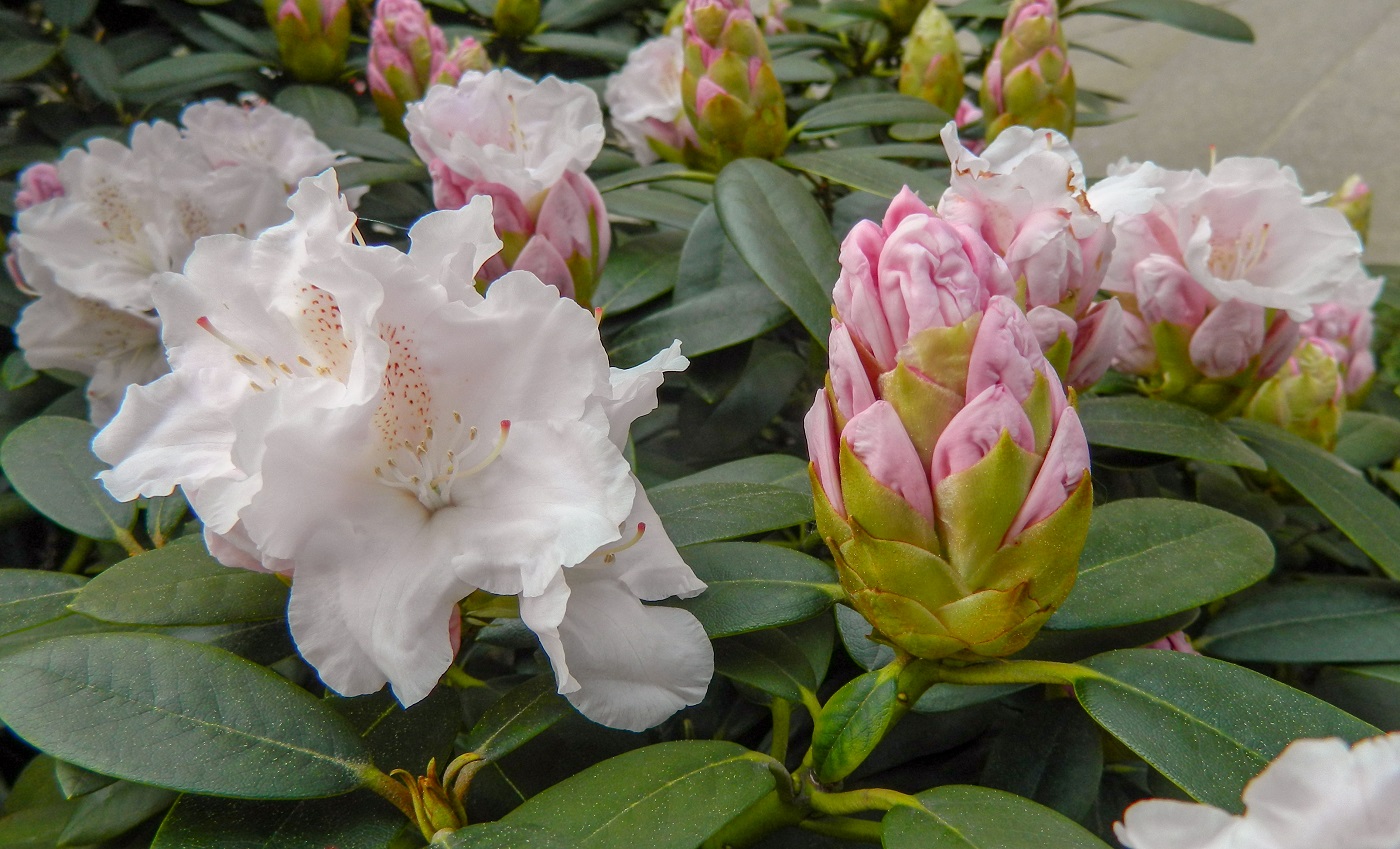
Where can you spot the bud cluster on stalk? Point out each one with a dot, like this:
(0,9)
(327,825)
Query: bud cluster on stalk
(312,36)
(732,97)
(931,66)
(408,54)
(950,469)
(1028,81)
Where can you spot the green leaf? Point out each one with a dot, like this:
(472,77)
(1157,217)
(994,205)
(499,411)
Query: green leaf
(801,69)
(1366,517)
(706,512)
(30,597)
(1192,17)
(1313,621)
(321,106)
(112,811)
(1053,755)
(1369,692)
(187,73)
(965,817)
(374,173)
(19,59)
(853,722)
(638,271)
(359,821)
(754,586)
(15,372)
(720,318)
(181,584)
(863,110)
(646,204)
(637,176)
(1207,725)
(1162,427)
(499,835)
(667,796)
(773,661)
(157,710)
(69,14)
(261,43)
(782,470)
(1146,558)
(855,636)
(368,142)
(49,461)
(94,65)
(519,716)
(782,234)
(867,173)
(578,44)
(1368,439)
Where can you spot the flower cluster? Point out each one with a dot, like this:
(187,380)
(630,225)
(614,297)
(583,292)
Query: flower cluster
(525,145)
(644,101)
(951,471)
(96,230)
(364,421)
(408,54)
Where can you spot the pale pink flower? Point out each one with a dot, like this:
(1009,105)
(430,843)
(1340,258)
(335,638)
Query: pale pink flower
(644,99)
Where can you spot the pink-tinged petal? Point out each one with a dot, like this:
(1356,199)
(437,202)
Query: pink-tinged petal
(1176,641)
(1359,371)
(1170,824)
(1166,291)
(857,295)
(1061,473)
(1137,354)
(645,560)
(976,430)
(1280,342)
(905,204)
(234,549)
(37,183)
(541,258)
(621,663)
(1006,352)
(1229,337)
(879,441)
(850,383)
(823,448)
(450,246)
(705,91)
(1049,324)
(927,278)
(573,212)
(1099,339)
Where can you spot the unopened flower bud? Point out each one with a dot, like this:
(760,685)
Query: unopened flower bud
(407,54)
(731,96)
(1307,396)
(1028,80)
(1354,201)
(931,66)
(37,183)
(312,36)
(516,18)
(904,14)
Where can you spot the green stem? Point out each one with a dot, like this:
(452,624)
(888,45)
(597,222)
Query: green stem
(809,701)
(392,790)
(1016,672)
(761,819)
(856,801)
(782,729)
(846,828)
(124,538)
(78,555)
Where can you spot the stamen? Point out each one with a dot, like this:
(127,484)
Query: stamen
(597,315)
(610,555)
(495,451)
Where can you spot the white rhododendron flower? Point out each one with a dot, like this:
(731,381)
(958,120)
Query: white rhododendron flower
(1317,794)
(363,419)
(123,216)
(503,128)
(1242,232)
(644,97)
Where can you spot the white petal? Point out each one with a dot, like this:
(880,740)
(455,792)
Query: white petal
(450,246)
(1169,824)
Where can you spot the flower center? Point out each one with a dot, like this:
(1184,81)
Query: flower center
(1233,259)
(430,468)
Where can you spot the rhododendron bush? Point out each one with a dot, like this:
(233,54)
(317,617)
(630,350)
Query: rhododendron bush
(628,425)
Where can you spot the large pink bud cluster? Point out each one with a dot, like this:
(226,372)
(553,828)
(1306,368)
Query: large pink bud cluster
(950,468)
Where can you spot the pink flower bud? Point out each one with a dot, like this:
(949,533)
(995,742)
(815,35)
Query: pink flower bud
(37,183)
(976,430)
(1099,340)
(1279,342)
(1060,474)
(1229,337)
(878,440)
(825,452)
(1006,352)
(1137,352)
(850,382)
(404,49)
(1175,641)
(1166,291)
(542,259)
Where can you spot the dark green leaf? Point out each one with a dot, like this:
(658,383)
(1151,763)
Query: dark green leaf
(19,59)
(801,69)
(158,710)
(578,44)
(638,271)
(966,817)
(754,586)
(1315,621)
(1162,427)
(260,43)
(861,110)
(112,811)
(1368,439)
(374,173)
(706,512)
(853,722)
(667,796)
(646,204)
(500,835)
(573,14)
(69,14)
(719,318)
(867,173)
(50,462)
(367,142)
(517,718)
(16,372)
(164,513)
(772,661)
(638,176)
(782,234)
(358,821)
(855,636)
(1053,756)
(321,106)
(1207,725)
(1193,17)
(1146,558)
(187,73)
(1371,693)
(1368,518)
(782,470)
(29,597)
(94,65)
(181,584)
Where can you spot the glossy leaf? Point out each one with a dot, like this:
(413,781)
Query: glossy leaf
(967,817)
(772,661)
(667,796)
(1314,621)
(1193,17)
(94,64)
(1368,439)
(50,462)
(181,584)
(1162,427)
(188,72)
(1146,558)
(855,636)
(720,318)
(853,722)
(661,207)
(517,718)
(754,586)
(862,110)
(30,597)
(866,173)
(704,512)
(321,106)
(500,835)
(782,470)
(1053,755)
(638,271)
(68,14)
(1368,518)
(157,710)
(112,811)
(777,227)
(1207,725)
(358,821)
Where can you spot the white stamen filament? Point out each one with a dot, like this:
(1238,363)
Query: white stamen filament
(262,366)
(610,554)
(435,461)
